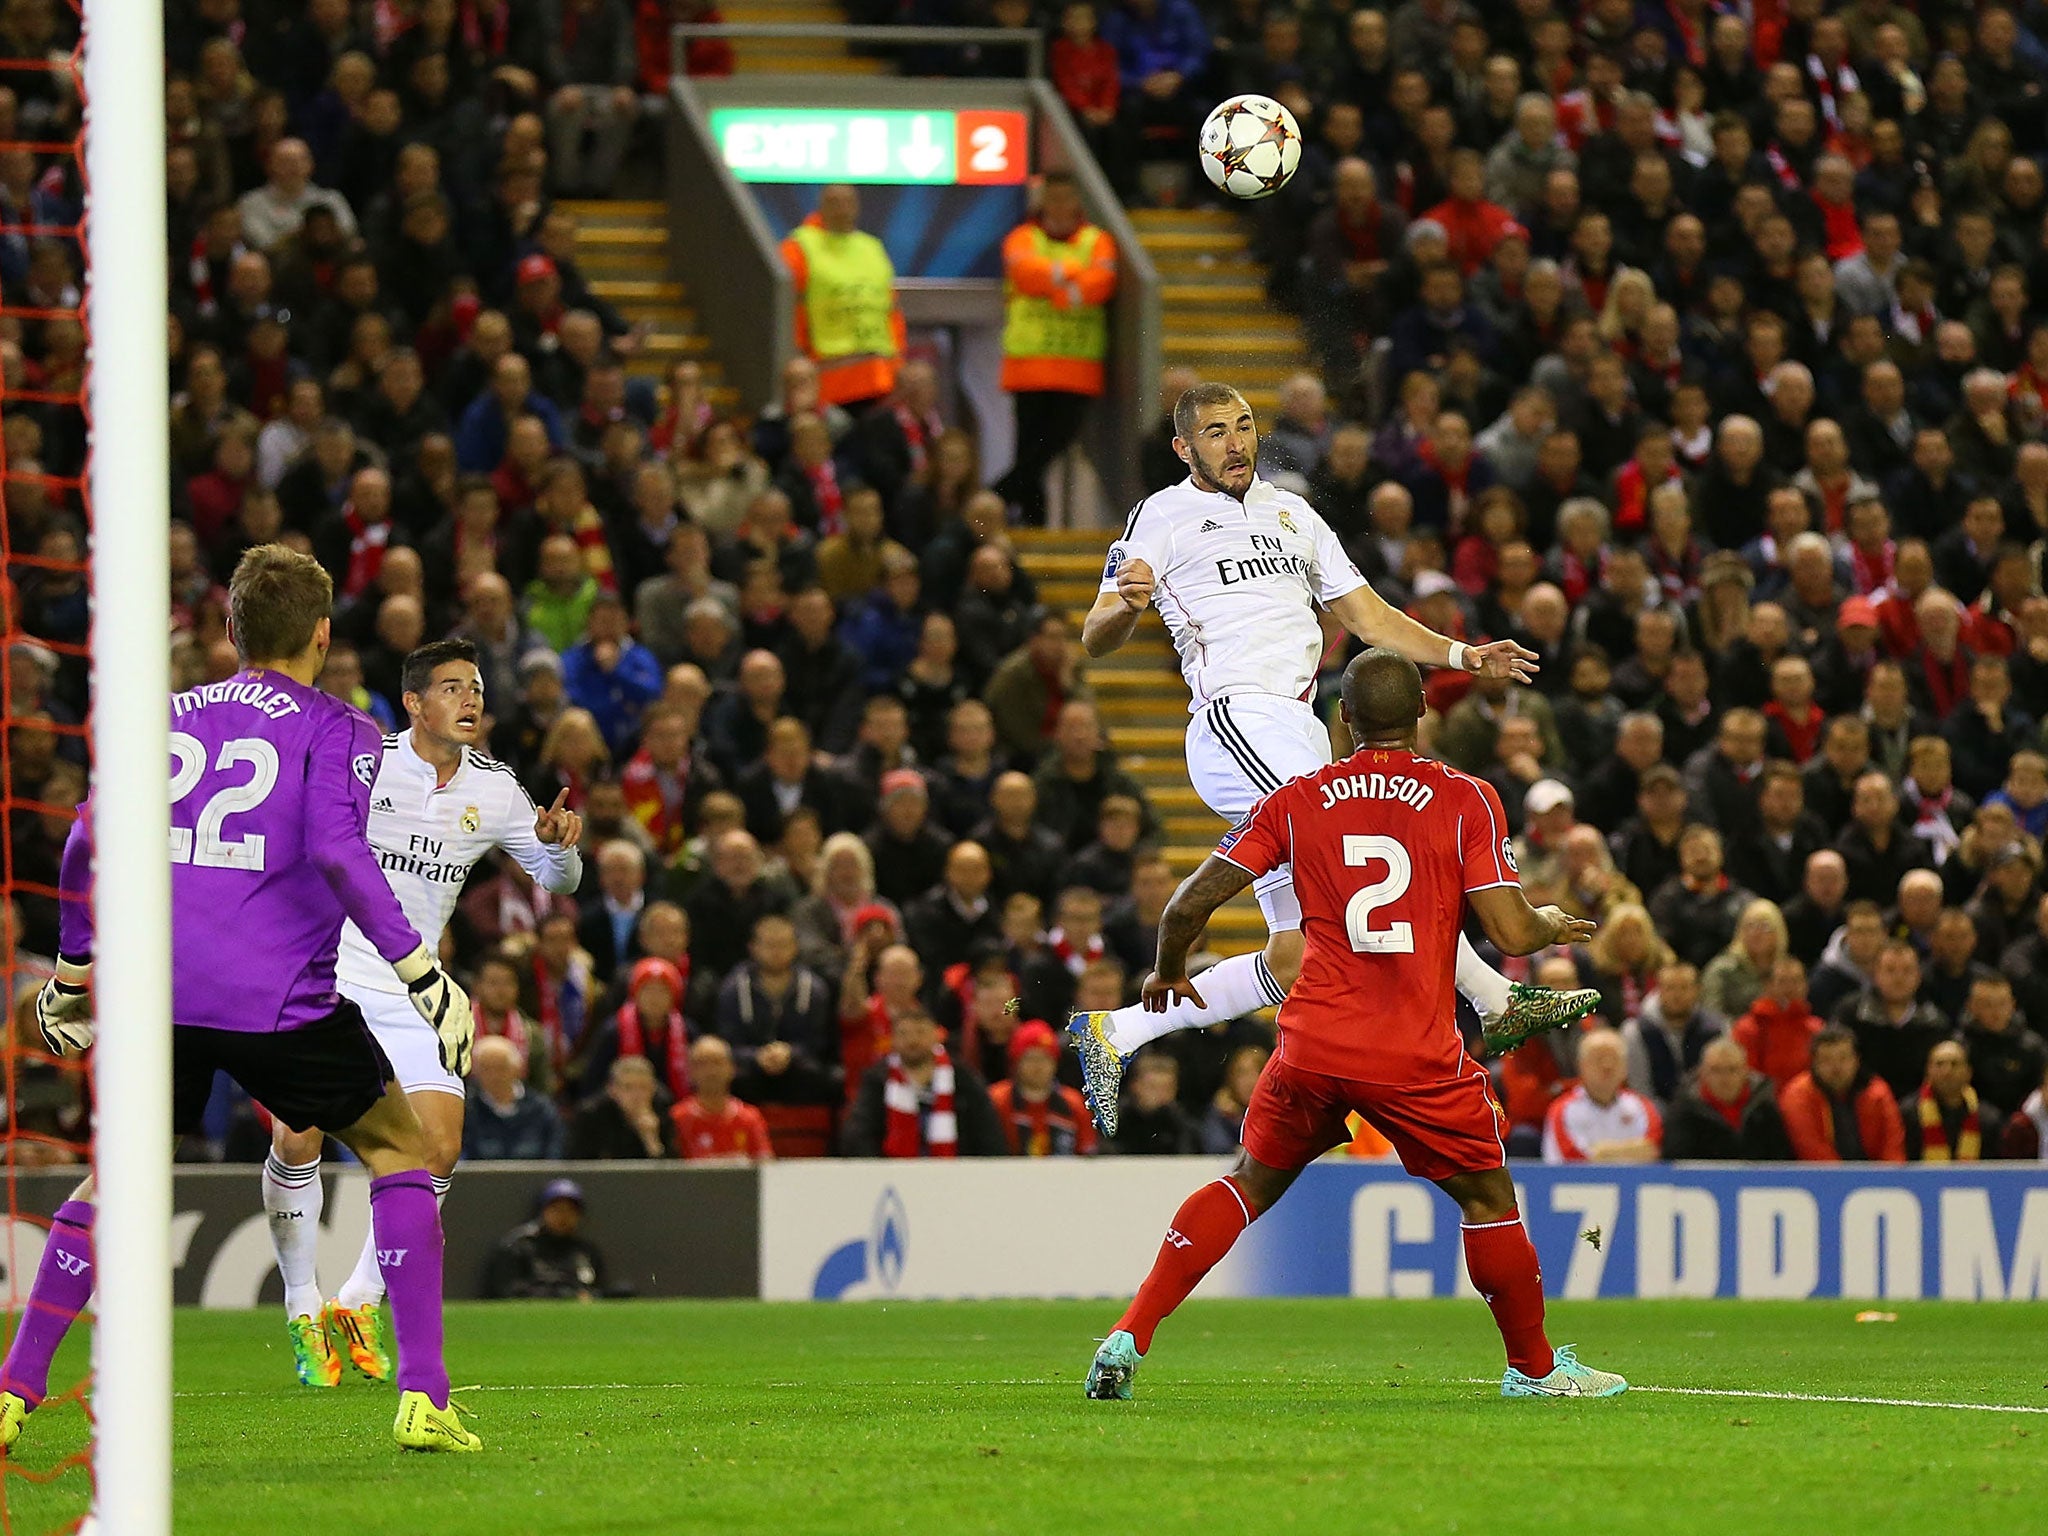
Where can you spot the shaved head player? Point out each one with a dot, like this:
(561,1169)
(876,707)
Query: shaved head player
(1388,849)
(1237,567)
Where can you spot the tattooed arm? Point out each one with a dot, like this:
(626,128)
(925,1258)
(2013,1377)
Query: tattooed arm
(1187,914)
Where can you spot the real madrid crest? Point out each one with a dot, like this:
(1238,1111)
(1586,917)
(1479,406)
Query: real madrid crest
(472,819)
(1286,520)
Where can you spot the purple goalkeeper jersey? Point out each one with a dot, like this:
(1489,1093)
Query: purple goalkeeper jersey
(270,798)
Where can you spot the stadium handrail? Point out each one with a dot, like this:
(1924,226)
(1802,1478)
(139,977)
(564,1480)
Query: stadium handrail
(726,253)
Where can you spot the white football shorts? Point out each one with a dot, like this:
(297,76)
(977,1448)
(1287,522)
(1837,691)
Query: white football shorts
(1241,748)
(413,1048)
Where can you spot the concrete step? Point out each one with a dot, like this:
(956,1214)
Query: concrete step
(1270,341)
(1207,266)
(1195,241)
(1223,292)
(638,290)
(593,212)
(1149,221)
(673,344)
(1154,683)
(642,235)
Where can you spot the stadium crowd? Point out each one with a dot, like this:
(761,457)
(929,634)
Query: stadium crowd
(1703,355)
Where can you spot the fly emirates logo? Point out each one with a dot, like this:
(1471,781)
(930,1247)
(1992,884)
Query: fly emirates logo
(1412,793)
(1269,558)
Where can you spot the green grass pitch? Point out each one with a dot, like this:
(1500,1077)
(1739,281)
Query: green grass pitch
(1338,1416)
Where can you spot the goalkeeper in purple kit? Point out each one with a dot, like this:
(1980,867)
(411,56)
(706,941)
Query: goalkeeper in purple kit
(270,798)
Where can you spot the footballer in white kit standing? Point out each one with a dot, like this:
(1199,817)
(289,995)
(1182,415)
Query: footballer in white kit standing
(1236,567)
(437,807)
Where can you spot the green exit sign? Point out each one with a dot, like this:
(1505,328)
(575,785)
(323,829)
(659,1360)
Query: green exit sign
(929,148)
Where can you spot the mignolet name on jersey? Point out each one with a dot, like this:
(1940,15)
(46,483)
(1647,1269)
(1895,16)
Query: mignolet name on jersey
(1237,584)
(428,838)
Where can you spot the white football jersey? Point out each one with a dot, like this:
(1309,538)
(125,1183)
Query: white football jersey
(1237,584)
(429,837)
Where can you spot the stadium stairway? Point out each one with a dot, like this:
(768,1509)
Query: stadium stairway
(1144,708)
(1213,308)
(795,56)
(622,247)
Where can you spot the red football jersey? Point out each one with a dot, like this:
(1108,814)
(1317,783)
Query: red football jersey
(1384,845)
(738,1131)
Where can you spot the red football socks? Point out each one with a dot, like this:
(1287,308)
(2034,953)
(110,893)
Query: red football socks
(1203,1230)
(1503,1265)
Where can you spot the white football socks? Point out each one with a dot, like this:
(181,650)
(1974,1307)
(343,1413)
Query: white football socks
(365,1285)
(1480,982)
(1231,988)
(292,1199)
(1242,984)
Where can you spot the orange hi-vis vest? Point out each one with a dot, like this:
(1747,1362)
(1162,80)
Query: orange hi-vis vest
(846,316)
(1056,323)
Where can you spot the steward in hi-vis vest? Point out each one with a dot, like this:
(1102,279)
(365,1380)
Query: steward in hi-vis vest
(846,315)
(1059,275)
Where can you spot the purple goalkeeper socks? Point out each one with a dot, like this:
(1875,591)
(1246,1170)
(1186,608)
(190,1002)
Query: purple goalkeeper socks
(406,1225)
(62,1287)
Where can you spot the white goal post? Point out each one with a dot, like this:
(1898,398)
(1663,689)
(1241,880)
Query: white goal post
(127,287)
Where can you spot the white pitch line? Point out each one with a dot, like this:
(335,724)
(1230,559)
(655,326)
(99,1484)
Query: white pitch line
(1814,1397)
(681,1386)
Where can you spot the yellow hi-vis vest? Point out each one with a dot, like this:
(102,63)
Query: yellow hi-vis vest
(849,294)
(1067,345)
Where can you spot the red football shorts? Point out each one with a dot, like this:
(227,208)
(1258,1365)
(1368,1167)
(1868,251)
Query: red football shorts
(1451,1125)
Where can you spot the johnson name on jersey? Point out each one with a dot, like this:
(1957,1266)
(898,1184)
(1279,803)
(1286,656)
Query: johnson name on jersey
(428,837)
(1237,584)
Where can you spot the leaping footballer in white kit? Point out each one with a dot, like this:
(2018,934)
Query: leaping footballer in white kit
(1236,567)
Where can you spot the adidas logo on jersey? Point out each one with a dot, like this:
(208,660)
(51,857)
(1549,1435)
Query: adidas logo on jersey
(383,804)
(1209,525)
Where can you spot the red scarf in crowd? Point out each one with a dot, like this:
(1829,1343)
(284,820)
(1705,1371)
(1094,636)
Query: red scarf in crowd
(675,1067)
(1844,234)
(1788,175)
(1363,238)
(831,502)
(1075,960)
(1732,1113)
(919,433)
(647,798)
(1802,734)
(1934,1147)
(511,1025)
(1948,682)
(367,542)
(1831,85)
(902,1134)
(1872,569)
(1632,494)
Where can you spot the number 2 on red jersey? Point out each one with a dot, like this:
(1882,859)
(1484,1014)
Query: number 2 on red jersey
(1361,850)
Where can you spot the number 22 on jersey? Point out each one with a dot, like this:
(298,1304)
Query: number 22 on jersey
(1360,850)
(202,843)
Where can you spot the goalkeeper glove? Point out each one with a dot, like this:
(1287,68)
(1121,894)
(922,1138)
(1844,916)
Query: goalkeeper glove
(442,1004)
(64,1009)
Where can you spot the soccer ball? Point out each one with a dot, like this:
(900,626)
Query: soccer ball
(1249,146)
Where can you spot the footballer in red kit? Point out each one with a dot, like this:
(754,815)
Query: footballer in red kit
(1389,850)
(1384,844)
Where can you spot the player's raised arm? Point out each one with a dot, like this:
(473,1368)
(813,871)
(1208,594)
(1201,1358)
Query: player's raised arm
(1378,622)
(1115,614)
(1186,914)
(1517,928)
(544,842)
